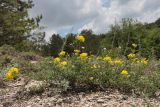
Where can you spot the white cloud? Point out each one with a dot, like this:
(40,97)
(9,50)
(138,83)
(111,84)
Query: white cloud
(143,10)
(98,15)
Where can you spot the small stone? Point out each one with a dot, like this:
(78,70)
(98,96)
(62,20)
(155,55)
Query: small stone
(125,97)
(59,101)
(104,105)
(76,102)
(35,86)
(100,101)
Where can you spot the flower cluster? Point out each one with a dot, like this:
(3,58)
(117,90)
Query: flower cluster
(124,72)
(11,73)
(107,59)
(83,56)
(62,53)
(143,61)
(80,38)
(131,55)
(115,64)
(58,61)
(118,62)
(76,52)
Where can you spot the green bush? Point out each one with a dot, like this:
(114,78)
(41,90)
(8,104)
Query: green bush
(141,77)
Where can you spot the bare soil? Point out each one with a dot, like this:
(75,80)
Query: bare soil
(13,94)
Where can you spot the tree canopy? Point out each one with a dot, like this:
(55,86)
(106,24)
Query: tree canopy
(15,22)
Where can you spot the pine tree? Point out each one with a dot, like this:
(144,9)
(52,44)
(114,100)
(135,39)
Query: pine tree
(15,24)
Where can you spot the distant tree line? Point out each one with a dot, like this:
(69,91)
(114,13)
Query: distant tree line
(121,35)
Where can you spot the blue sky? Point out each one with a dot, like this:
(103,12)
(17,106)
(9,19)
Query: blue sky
(60,16)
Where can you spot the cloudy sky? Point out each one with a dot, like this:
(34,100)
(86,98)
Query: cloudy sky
(64,16)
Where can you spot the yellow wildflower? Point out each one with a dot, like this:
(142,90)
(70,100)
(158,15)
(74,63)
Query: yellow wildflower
(56,60)
(134,45)
(107,58)
(91,78)
(131,55)
(80,38)
(118,62)
(83,56)
(124,72)
(94,66)
(9,75)
(14,70)
(77,51)
(63,63)
(76,54)
(62,53)
(144,61)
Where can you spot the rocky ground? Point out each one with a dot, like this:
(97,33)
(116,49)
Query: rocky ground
(21,93)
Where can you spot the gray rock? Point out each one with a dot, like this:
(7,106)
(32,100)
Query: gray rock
(100,101)
(35,86)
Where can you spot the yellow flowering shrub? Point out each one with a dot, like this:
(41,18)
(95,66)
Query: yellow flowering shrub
(98,70)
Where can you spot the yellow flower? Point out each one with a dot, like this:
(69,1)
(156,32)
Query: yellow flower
(94,66)
(144,61)
(76,54)
(14,70)
(124,72)
(56,60)
(91,78)
(80,38)
(134,45)
(9,75)
(77,51)
(62,53)
(118,62)
(83,56)
(63,63)
(107,58)
(131,55)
